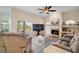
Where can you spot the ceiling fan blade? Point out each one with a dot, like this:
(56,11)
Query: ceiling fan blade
(52,10)
(40,9)
(45,8)
(41,12)
(49,7)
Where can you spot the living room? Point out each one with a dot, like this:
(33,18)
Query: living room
(44,28)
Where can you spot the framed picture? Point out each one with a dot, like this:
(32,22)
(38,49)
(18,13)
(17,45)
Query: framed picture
(55,22)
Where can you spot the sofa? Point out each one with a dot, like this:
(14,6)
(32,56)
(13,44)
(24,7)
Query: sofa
(14,43)
(72,45)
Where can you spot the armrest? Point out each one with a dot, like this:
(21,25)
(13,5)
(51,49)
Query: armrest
(63,47)
(22,47)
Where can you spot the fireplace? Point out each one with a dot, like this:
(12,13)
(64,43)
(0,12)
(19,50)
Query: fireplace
(56,32)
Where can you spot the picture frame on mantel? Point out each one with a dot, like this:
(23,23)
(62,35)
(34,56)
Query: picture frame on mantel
(55,22)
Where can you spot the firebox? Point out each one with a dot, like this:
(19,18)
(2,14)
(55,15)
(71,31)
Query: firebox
(56,32)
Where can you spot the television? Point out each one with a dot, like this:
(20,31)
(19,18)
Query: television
(38,27)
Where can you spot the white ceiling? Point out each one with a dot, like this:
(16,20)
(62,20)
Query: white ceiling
(34,9)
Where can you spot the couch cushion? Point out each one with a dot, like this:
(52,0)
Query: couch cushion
(66,38)
(64,43)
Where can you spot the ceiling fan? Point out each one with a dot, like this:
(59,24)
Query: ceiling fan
(47,9)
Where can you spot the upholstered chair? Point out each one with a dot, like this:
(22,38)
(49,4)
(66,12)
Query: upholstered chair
(42,33)
(35,33)
(75,43)
(37,41)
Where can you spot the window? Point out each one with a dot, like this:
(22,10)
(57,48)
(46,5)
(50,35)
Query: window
(24,26)
(4,23)
(28,26)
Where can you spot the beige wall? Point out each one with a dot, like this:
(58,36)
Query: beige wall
(74,14)
(18,15)
(46,19)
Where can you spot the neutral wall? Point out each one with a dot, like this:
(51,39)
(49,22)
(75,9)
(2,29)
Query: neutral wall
(74,14)
(18,15)
(46,19)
